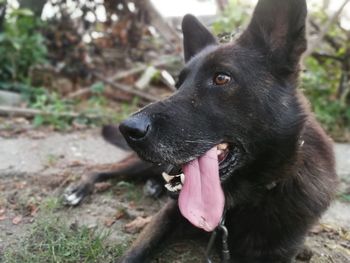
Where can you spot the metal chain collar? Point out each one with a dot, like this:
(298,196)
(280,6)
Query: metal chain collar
(225,252)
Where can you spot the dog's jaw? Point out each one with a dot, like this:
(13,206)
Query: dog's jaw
(229,157)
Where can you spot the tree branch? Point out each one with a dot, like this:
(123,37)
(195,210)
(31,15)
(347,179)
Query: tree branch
(314,44)
(330,40)
(26,112)
(126,88)
(327,56)
(157,20)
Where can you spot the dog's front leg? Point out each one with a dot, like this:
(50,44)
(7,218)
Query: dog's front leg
(157,230)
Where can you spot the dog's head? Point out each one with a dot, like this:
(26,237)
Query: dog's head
(239,97)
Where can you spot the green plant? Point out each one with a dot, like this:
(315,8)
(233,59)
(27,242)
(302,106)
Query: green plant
(21,47)
(127,109)
(325,68)
(54,240)
(51,204)
(61,113)
(235,15)
(320,83)
(133,193)
(52,103)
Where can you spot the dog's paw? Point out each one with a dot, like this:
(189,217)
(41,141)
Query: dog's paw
(73,195)
(153,188)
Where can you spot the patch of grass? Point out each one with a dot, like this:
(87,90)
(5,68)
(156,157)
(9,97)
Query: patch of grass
(51,204)
(52,159)
(52,239)
(132,192)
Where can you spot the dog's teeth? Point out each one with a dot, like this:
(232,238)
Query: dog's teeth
(222,146)
(170,188)
(174,189)
(182,177)
(167,177)
(177,187)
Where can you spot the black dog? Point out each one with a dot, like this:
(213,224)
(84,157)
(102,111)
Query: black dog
(250,150)
(238,118)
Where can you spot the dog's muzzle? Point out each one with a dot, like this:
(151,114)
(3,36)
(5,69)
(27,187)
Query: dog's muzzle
(136,128)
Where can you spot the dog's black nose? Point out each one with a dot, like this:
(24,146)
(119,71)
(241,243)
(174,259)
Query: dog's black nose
(136,127)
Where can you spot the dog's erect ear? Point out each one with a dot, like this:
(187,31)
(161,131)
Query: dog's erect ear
(196,36)
(278,26)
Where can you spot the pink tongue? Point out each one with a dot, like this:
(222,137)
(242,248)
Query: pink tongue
(201,199)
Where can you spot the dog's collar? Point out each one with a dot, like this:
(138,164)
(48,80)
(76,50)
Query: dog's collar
(224,233)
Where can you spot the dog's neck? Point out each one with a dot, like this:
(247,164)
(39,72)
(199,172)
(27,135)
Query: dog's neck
(248,185)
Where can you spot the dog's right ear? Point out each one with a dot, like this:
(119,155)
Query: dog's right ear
(278,28)
(196,36)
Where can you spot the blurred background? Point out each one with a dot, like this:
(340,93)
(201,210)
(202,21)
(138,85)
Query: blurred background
(68,64)
(68,67)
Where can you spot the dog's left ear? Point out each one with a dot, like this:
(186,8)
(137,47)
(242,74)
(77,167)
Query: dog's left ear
(278,28)
(196,36)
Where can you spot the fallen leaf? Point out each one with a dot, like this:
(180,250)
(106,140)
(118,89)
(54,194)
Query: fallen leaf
(16,220)
(120,214)
(132,205)
(21,185)
(345,235)
(137,224)
(109,222)
(316,229)
(75,164)
(32,209)
(101,187)
(36,134)
(2,211)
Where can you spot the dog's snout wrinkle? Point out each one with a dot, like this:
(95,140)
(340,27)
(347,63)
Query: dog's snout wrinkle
(135,128)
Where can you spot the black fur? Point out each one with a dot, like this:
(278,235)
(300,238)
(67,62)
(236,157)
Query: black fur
(284,178)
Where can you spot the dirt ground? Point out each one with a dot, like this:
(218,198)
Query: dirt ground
(36,167)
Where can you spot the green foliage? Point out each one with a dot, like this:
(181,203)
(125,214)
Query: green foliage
(21,46)
(60,113)
(97,88)
(53,240)
(320,83)
(232,19)
(128,108)
(56,106)
(322,77)
(132,192)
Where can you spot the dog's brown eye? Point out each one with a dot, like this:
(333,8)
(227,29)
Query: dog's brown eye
(221,79)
